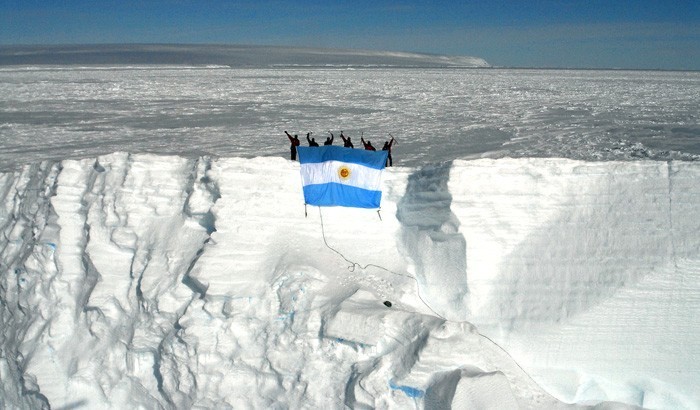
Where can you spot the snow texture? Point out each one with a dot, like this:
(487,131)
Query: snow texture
(437,115)
(141,280)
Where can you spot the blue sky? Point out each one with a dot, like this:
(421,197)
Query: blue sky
(661,34)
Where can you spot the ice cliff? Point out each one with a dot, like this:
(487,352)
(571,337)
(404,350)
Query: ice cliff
(168,282)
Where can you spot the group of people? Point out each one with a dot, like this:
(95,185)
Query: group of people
(347,143)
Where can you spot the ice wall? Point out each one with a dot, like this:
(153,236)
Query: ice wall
(588,273)
(134,280)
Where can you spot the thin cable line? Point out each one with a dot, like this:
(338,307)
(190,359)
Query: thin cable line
(352,265)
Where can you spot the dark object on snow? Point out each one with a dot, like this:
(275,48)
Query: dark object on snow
(387,147)
(347,143)
(312,141)
(387,303)
(295,143)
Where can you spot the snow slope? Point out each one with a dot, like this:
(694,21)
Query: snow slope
(162,281)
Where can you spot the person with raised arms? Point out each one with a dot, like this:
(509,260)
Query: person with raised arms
(347,142)
(312,141)
(367,144)
(295,143)
(387,147)
(329,140)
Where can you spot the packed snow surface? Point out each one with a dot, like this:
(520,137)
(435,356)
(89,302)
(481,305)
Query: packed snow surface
(538,240)
(143,280)
(435,114)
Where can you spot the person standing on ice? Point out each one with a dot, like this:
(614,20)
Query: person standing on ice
(367,144)
(312,141)
(347,143)
(295,143)
(329,140)
(387,147)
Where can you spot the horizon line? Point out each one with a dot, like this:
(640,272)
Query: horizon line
(371,53)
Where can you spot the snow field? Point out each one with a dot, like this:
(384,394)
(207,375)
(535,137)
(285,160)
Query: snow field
(161,281)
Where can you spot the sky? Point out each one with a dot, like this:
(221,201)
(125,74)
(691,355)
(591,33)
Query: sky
(638,34)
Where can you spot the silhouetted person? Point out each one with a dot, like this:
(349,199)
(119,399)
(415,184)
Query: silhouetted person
(329,140)
(347,143)
(295,143)
(367,144)
(312,141)
(387,147)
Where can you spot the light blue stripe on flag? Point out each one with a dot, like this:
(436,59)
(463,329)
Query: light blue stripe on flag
(333,194)
(338,176)
(371,159)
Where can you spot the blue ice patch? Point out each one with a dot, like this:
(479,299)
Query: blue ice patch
(411,392)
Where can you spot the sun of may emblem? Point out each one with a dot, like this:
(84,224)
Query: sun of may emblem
(344,172)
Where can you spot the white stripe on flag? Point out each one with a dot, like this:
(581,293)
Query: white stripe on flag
(330,171)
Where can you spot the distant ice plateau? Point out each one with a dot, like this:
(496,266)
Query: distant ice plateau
(226,55)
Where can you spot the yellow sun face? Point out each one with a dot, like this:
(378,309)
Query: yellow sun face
(344,172)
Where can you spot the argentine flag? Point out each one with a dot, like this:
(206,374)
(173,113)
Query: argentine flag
(338,176)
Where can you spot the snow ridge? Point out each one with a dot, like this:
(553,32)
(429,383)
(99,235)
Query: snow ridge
(26,212)
(162,281)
